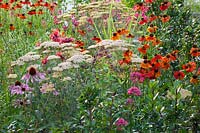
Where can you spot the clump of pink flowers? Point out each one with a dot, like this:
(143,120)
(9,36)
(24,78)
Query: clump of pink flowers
(19,88)
(134,91)
(56,37)
(137,77)
(121,122)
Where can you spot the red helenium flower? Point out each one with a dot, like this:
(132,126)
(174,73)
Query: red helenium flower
(179,75)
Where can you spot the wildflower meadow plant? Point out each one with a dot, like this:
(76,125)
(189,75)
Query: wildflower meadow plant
(101,67)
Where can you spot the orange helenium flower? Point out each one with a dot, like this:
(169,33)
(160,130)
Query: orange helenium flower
(189,67)
(151,37)
(195,51)
(138,6)
(152,17)
(152,28)
(145,64)
(115,36)
(143,49)
(82,32)
(130,36)
(12,27)
(79,44)
(165,5)
(156,42)
(194,79)
(142,38)
(96,39)
(127,54)
(165,18)
(179,75)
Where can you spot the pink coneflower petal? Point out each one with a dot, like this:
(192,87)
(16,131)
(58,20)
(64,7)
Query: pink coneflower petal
(33,75)
(19,88)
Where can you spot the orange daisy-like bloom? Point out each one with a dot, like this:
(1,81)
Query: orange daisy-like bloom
(115,37)
(119,32)
(82,49)
(156,58)
(165,18)
(195,51)
(21,16)
(143,21)
(125,61)
(142,39)
(151,37)
(145,64)
(127,54)
(189,67)
(156,42)
(32,12)
(164,64)
(179,75)
(18,6)
(124,31)
(152,28)
(82,32)
(157,73)
(152,17)
(96,39)
(194,79)
(165,5)
(143,49)
(155,65)
(12,28)
(5,6)
(138,6)
(130,36)
(40,12)
(171,56)
(79,44)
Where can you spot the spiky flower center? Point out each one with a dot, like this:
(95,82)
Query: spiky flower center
(18,83)
(32,71)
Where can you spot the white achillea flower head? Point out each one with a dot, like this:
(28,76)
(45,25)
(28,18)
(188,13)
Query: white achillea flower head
(12,76)
(67,45)
(52,57)
(47,87)
(67,79)
(111,44)
(57,69)
(17,63)
(49,45)
(46,51)
(185,93)
(77,58)
(65,65)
